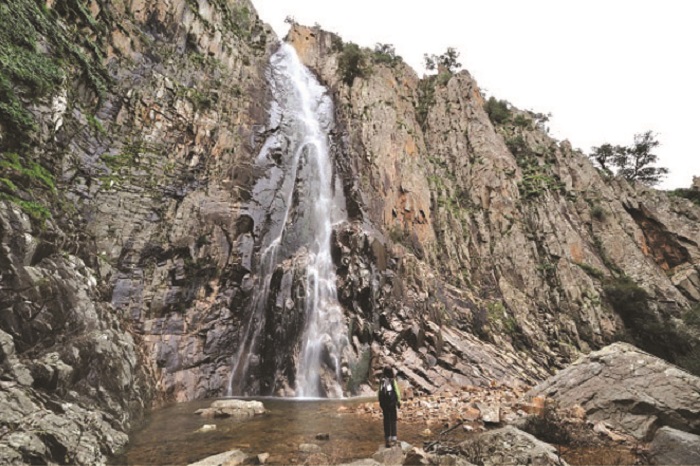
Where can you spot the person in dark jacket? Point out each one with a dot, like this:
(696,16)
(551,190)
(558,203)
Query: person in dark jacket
(389,400)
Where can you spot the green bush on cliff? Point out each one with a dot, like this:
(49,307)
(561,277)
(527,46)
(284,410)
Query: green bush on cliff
(627,298)
(385,54)
(652,331)
(426,99)
(522,121)
(24,71)
(692,317)
(34,51)
(352,63)
(498,110)
(22,182)
(28,172)
(690,194)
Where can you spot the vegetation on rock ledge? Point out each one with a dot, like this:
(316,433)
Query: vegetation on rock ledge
(634,163)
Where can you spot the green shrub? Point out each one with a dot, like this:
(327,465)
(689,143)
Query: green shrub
(29,73)
(27,172)
(591,271)
(522,121)
(398,234)
(691,194)
(518,146)
(337,43)
(597,212)
(690,361)
(385,54)
(651,331)
(352,63)
(628,299)
(536,181)
(498,110)
(426,99)
(443,78)
(691,317)
(34,209)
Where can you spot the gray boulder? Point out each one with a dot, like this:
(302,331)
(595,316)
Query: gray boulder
(629,389)
(229,458)
(237,409)
(392,456)
(671,446)
(509,446)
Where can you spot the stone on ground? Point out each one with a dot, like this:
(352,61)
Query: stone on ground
(509,446)
(229,458)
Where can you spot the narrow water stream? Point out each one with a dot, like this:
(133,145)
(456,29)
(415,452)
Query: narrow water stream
(170,435)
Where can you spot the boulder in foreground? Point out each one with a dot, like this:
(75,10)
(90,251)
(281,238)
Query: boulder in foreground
(629,389)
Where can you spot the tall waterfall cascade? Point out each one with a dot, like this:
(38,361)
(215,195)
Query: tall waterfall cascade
(294,205)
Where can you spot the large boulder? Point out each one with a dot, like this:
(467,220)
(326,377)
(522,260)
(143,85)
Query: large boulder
(629,389)
(671,446)
(507,446)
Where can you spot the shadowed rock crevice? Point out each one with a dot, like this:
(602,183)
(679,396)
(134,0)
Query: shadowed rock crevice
(664,246)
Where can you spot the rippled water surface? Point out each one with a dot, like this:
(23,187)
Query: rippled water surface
(169,435)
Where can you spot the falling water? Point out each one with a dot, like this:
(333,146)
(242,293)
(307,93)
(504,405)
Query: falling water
(294,207)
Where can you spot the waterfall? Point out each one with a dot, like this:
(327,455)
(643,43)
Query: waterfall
(294,206)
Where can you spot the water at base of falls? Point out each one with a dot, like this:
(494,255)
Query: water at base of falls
(171,435)
(294,206)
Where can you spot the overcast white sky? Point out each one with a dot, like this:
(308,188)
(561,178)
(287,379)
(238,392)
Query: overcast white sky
(605,69)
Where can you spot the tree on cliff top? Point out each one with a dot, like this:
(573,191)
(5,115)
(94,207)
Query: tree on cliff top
(634,163)
(445,62)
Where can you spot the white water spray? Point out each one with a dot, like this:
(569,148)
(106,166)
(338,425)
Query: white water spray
(295,203)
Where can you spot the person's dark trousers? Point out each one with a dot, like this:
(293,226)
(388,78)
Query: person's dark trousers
(389,422)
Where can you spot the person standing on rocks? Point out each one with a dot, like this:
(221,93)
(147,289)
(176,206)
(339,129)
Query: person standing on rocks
(389,400)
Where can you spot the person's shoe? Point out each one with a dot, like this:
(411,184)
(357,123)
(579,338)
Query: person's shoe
(388,442)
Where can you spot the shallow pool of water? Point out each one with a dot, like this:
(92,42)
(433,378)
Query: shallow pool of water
(170,435)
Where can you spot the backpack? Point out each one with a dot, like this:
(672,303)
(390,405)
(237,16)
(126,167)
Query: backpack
(387,394)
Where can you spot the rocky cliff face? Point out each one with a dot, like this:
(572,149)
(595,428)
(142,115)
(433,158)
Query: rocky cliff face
(472,251)
(537,251)
(124,159)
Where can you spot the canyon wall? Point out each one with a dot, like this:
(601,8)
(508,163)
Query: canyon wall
(472,252)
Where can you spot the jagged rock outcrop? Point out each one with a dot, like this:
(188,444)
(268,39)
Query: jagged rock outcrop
(629,389)
(517,237)
(70,377)
(120,182)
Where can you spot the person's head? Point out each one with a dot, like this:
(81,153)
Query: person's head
(388,372)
